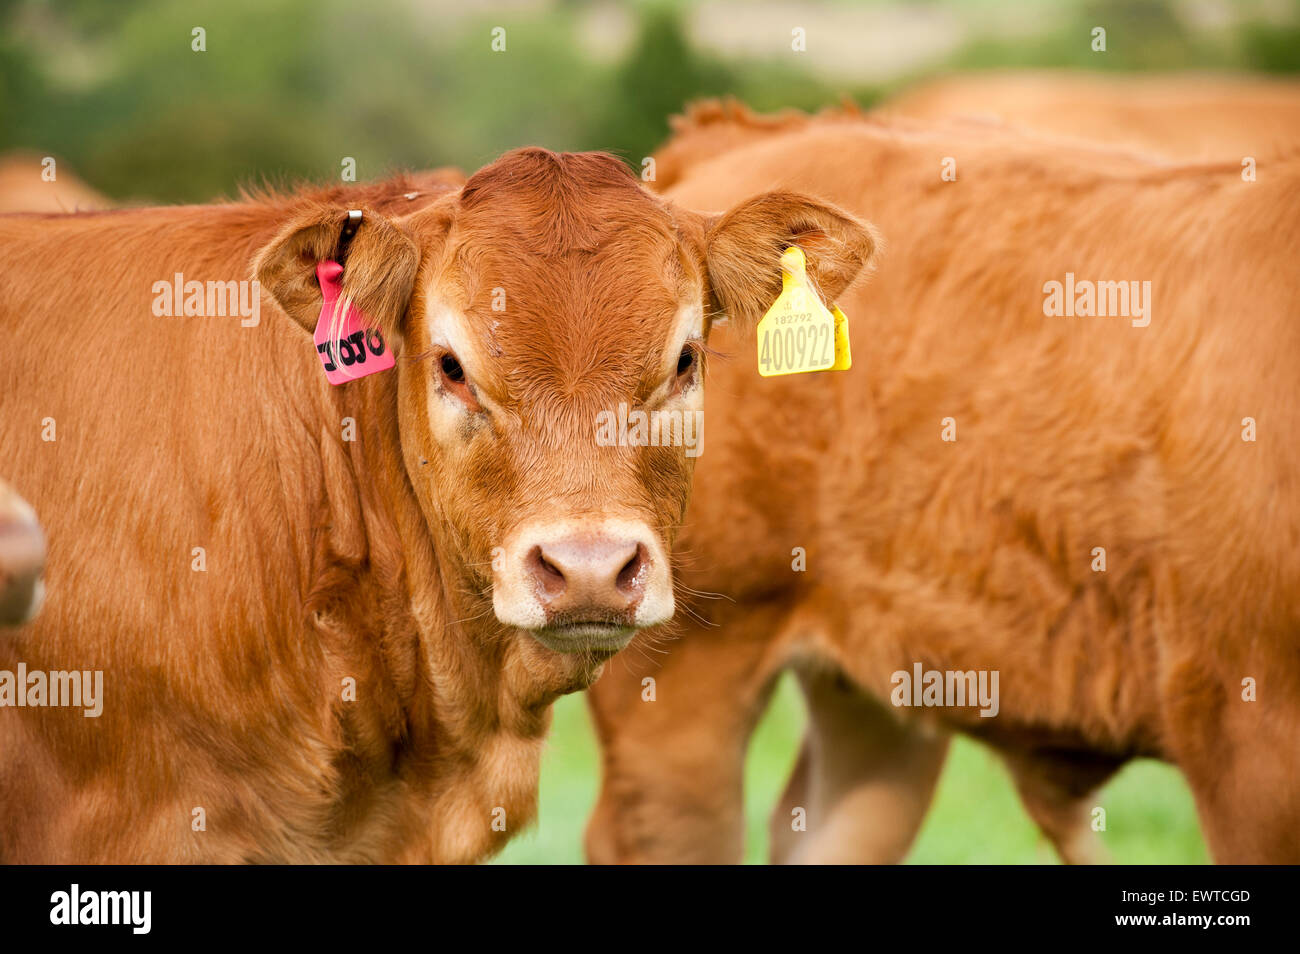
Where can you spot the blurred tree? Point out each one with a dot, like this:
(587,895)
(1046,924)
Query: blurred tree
(661,74)
(20,78)
(1140,35)
(289,89)
(1273,47)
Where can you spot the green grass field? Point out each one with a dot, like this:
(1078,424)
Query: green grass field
(976,816)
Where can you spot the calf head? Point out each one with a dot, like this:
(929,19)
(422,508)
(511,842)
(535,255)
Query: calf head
(551,319)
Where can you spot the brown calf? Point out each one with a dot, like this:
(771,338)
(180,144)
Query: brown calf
(329,622)
(949,494)
(1180,116)
(1177,116)
(26,186)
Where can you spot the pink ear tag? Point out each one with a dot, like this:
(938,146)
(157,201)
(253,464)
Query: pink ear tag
(348,347)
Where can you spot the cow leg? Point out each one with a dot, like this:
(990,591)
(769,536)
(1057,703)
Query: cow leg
(864,779)
(1250,812)
(783,839)
(1244,773)
(673,768)
(1058,790)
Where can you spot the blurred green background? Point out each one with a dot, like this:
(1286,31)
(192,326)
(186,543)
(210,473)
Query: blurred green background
(287,90)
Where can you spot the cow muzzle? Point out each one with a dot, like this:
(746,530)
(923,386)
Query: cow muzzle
(583,585)
(22,559)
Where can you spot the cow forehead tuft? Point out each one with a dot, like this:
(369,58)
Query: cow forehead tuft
(540,170)
(538,202)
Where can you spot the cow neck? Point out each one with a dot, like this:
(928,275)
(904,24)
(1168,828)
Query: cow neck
(456,675)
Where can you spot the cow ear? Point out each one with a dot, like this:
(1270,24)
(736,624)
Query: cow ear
(743,250)
(379,261)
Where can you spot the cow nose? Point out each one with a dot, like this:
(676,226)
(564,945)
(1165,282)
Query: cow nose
(582,584)
(589,576)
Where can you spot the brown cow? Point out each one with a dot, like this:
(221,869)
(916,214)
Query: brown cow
(22,558)
(949,494)
(25,186)
(1178,116)
(329,622)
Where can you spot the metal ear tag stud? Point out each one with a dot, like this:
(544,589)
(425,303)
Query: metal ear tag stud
(352,224)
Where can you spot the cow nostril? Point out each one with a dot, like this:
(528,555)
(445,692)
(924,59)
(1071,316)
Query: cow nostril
(549,578)
(631,579)
(588,577)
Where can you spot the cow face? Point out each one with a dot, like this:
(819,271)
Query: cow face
(552,317)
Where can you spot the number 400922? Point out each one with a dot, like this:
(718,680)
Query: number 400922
(805,348)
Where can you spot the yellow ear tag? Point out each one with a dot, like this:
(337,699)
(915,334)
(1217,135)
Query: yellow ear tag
(843,356)
(798,334)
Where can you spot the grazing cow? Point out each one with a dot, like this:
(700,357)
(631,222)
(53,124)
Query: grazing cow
(712,127)
(26,186)
(1175,116)
(1101,510)
(1179,116)
(22,557)
(327,623)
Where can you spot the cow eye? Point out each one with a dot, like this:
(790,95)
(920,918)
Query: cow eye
(685,361)
(455,382)
(451,369)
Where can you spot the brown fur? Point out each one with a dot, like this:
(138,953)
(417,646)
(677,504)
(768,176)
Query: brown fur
(1072,433)
(23,188)
(326,559)
(712,127)
(1176,116)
